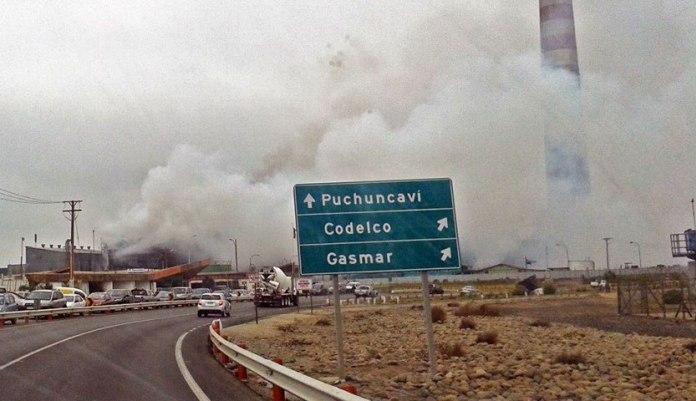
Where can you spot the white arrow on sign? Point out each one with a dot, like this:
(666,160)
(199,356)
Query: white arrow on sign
(442,224)
(309,200)
(446,254)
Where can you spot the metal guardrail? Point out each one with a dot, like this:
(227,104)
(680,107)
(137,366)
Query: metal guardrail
(302,386)
(32,313)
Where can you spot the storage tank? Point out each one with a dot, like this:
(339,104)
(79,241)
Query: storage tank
(581,264)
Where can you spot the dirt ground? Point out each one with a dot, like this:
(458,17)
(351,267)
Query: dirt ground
(599,312)
(386,355)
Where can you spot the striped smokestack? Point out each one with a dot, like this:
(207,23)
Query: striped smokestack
(558,47)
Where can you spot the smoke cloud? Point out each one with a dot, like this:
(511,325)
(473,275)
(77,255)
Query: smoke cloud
(443,90)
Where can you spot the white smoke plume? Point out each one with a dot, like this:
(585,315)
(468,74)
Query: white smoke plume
(458,94)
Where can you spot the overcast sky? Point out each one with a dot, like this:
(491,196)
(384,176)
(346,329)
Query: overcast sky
(175,119)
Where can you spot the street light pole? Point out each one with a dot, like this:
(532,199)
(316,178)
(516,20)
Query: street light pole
(640,257)
(189,248)
(236,262)
(606,241)
(562,244)
(693,212)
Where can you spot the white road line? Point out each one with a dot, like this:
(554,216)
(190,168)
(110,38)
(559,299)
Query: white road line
(195,388)
(36,351)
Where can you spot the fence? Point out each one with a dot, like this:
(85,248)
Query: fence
(51,313)
(657,294)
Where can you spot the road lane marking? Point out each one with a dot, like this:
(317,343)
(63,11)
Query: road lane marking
(195,388)
(45,347)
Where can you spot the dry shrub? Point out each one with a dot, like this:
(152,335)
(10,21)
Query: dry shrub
(416,307)
(476,310)
(691,346)
(323,321)
(453,304)
(300,341)
(488,337)
(540,323)
(451,349)
(466,324)
(438,313)
(287,327)
(570,358)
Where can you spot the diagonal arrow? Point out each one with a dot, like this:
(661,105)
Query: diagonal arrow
(446,254)
(442,224)
(309,200)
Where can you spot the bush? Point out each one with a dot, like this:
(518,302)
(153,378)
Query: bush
(570,358)
(466,324)
(672,297)
(549,289)
(287,327)
(540,323)
(438,314)
(323,321)
(488,337)
(691,346)
(453,304)
(452,349)
(519,290)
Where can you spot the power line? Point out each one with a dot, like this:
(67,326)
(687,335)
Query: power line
(9,196)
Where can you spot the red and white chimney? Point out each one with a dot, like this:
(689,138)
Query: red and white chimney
(558,46)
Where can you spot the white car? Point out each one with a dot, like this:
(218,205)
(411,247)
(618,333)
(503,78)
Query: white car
(213,303)
(242,295)
(75,301)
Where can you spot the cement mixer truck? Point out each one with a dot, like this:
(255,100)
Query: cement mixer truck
(274,288)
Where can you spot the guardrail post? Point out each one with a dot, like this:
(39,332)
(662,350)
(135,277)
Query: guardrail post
(350,388)
(278,392)
(241,369)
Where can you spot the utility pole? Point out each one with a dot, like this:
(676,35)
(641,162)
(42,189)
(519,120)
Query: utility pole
(73,216)
(606,243)
(21,259)
(693,212)
(236,260)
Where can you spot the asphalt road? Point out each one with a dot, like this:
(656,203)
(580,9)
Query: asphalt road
(119,356)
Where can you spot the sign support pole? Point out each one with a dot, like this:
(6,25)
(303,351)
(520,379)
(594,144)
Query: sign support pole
(339,326)
(427,316)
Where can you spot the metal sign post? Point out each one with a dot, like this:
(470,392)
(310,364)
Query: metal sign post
(377,227)
(428,317)
(341,371)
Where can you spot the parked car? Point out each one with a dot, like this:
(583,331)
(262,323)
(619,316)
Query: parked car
(75,301)
(435,289)
(20,298)
(365,291)
(45,299)
(213,303)
(96,299)
(143,295)
(197,293)
(163,295)
(468,291)
(118,296)
(242,295)
(71,291)
(8,303)
(182,292)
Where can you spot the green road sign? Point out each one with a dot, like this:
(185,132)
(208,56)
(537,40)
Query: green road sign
(376,226)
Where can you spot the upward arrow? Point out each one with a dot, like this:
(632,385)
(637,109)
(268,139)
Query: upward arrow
(446,254)
(442,224)
(309,200)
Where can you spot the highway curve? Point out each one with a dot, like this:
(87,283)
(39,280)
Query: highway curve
(119,356)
